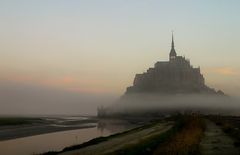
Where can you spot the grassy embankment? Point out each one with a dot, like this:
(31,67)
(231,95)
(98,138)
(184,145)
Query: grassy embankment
(7,121)
(98,140)
(187,138)
(182,139)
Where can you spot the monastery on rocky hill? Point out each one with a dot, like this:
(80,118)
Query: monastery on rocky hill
(171,77)
(167,78)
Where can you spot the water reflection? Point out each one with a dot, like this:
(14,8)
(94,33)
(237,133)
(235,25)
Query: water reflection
(58,140)
(114,125)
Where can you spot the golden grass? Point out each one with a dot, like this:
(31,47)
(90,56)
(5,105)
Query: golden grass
(186,141)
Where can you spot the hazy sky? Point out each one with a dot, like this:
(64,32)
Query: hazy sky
(97,46)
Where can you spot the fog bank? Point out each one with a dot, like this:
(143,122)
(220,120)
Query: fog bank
(162,103)
(20,99)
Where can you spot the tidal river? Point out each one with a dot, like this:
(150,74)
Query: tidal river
(56,141)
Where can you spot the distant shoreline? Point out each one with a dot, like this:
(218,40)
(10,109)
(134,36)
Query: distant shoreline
(11,132)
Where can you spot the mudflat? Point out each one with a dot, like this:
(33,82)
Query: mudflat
(23,127)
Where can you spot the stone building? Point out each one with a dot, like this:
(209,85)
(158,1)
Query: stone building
(174,76)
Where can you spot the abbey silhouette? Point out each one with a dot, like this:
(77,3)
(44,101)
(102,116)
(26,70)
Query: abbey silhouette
(166,78)
(172,77)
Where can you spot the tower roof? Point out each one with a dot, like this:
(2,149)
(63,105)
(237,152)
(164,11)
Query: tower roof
(173,52)
(172,41)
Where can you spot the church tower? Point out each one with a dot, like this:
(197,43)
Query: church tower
(172,54)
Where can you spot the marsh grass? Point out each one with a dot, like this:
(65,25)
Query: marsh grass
(186,140)
(182,139)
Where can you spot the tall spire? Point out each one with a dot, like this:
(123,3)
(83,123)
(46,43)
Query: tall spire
(172,41)
(172,54)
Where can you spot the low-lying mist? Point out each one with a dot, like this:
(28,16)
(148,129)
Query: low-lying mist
(23,99)
(20,99)
(136,103)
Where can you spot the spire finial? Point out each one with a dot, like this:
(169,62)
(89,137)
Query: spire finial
(172,41)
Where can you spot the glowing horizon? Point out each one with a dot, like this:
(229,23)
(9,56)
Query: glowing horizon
(97,47)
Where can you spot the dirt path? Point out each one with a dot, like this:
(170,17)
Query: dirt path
(119,142)
(216,142)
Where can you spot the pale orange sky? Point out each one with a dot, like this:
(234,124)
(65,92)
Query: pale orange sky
(97,52)
(97,47)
